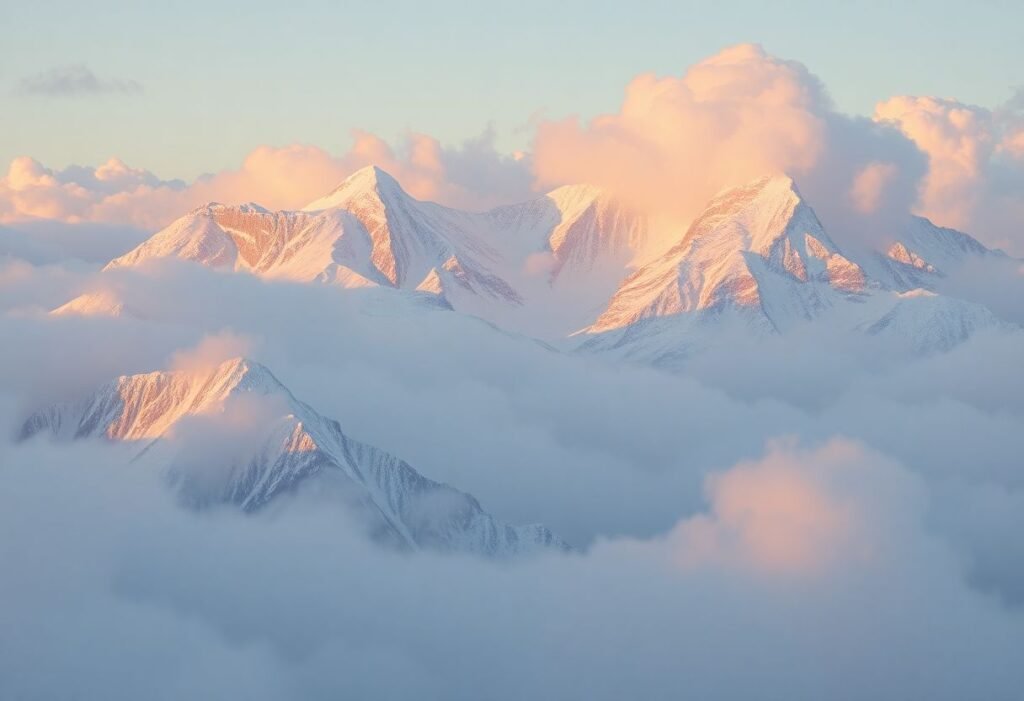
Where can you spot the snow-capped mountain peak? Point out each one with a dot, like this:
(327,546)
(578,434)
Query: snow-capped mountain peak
(141,407)
(758,247)
(368,231)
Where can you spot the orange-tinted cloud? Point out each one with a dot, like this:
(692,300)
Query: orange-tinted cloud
(795,511)
(109,193)
(473,175)
(870,184)
(677,141)
(731,118)
(211,351)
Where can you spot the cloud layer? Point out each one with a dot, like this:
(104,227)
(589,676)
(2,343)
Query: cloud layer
(292,605)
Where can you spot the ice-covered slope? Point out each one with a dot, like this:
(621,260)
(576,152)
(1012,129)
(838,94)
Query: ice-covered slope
(758,250)
(184,422)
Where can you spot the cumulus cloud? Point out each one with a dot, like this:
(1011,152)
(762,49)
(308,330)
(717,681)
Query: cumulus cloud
(870,185)
(791,512)
(74,81)
(108,193)
(472,175)
(976,164)
(731,118)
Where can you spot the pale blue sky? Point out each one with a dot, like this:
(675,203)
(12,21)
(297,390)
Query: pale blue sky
(219,78)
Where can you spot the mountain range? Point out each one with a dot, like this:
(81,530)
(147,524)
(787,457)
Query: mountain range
(576,268)
(580,269)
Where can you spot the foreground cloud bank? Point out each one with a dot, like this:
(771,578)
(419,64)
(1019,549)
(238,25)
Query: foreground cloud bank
(855,601)
(673,144)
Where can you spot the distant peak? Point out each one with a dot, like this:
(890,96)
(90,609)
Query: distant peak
(367,179)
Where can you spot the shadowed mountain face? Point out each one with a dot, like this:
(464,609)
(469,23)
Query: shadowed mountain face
(232,434)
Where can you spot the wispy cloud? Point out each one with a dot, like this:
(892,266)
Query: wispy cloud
(74,81)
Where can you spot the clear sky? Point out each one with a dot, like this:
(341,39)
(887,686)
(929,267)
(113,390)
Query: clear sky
(218,78)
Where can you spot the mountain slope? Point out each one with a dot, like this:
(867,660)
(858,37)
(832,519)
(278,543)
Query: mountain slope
(758,262)
(283,245)
(757,249)
(367,232)
(275,445)
(410,239)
